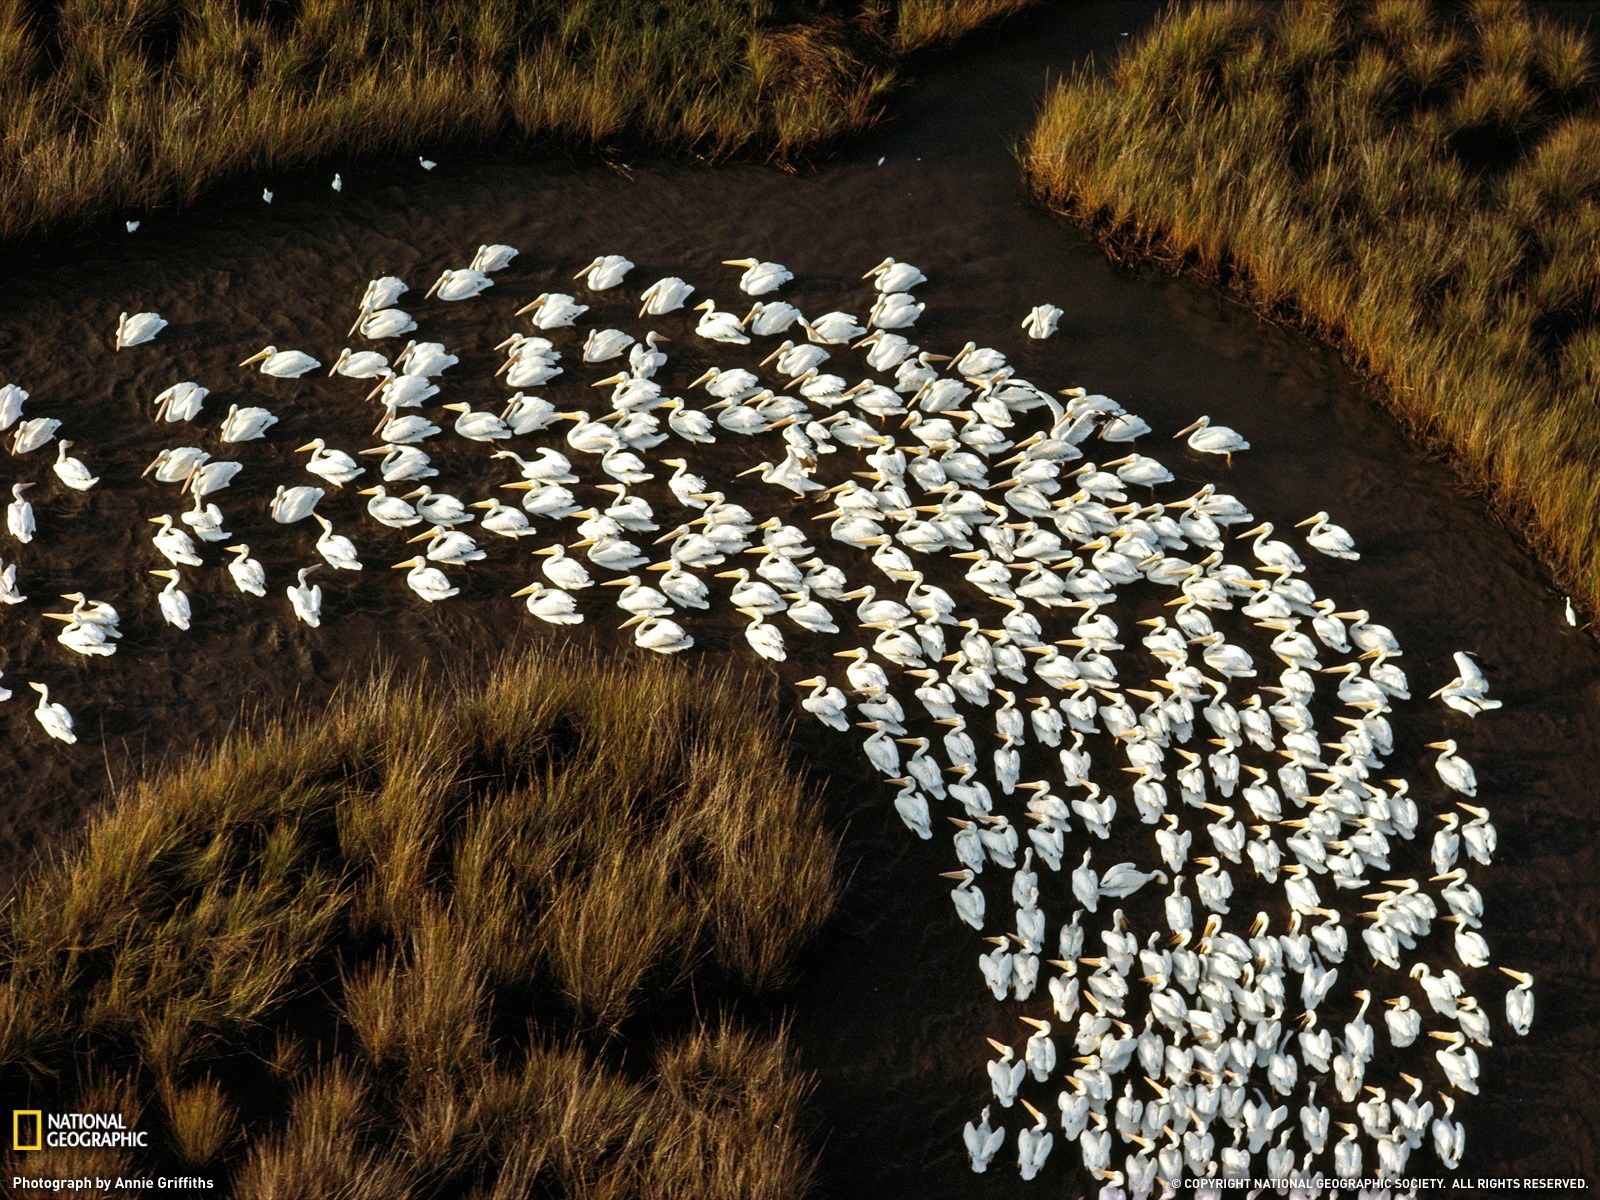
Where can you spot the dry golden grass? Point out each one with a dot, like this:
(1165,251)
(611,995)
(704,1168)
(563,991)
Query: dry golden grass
(121,106)
(1422,188)
(438,942)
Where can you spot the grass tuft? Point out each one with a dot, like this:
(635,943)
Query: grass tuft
(439,941)
(1415,181)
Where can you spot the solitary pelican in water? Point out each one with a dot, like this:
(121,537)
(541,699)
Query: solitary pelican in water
(57,721)
(137,329)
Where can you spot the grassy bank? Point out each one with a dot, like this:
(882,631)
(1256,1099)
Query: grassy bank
(120,106)
(1419,185)
(438,943)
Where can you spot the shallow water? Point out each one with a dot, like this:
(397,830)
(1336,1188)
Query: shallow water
(891,1013)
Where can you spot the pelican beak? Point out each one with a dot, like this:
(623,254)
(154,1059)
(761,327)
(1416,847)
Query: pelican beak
(254,358)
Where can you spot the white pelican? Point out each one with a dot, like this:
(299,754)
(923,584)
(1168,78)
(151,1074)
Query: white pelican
(139,328)
(57,721)
(605,272)
(1519,1002)
(175,545)
(33,433)
(71,471)
(181,402)
(428,582)
(501,519)
(337,550)
(664,296)
(248,574)
(450,546)
(426,359)
(363,364)
(405,430)
(894,310)
(401,463)
(1327,538)
(553,310)
(833,328)
(604,344)
(659,634)
(337,467)
(1456,772)
(551,604)
(206,521)
(208,477)
(1041,322)
(439,508)
(1468,692)
(246,424)
(175,465)
(1213,439)
(19,514)
(294,504)
(478,426)
(759,277)
(8,586)
(982,1141)
(766,640)
(12,399)
(891,276)
(566,572)
(491,258)
(381,293)
(282,364)
(403,391)
(306,599)
(718,326)
(795,360)
(385,323)
(389,510)
(767,318)
(460,285)
(174,602)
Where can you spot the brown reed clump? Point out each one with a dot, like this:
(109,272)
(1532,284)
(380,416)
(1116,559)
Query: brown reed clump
(123,106)
(1420,184)
(437,942)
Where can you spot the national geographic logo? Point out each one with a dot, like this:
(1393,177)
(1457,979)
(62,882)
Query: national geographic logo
(32,1129)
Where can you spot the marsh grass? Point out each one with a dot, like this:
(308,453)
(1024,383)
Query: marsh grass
(1421,186)
(122,106)
(439,941)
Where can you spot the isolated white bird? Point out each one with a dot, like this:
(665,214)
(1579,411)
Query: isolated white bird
(137,329)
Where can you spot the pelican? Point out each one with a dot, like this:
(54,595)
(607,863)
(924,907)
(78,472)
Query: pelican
(553,310)
(306,599)
(566,572)
(246,424)
(133,331)
(248,575)
(496,257)
(982,1141)
(659,634)
(604,344)
(1213,439)
(1042,320)
(759,277)
(767,318)
(832,328)
(550,604)
(501,519)
(1468,692)
(180,402)
(366,364)
(33,433)
(405,430)
(19,514)
(428,582)
(389,510)
(381,293)
(425,359)
(1519,1001)
(605,272)
(294,504)
(337,467)
(894,310)
(766,640)
(1328,538)
(57,721)
(384,323)
(1456,772)
(478,426)
(174,603)
(664,296)
(718,326)
(175,545)
(283,364)
(891,276)
(401,463)
(460,285)
(338,551)
(71,471)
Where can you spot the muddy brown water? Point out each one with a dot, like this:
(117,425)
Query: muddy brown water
(890,1013)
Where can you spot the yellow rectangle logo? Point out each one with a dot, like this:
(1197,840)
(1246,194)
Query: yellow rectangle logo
(18,1115)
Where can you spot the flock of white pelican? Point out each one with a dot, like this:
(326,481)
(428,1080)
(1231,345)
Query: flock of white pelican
(971,543)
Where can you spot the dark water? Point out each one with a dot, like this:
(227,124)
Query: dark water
(891,1015)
